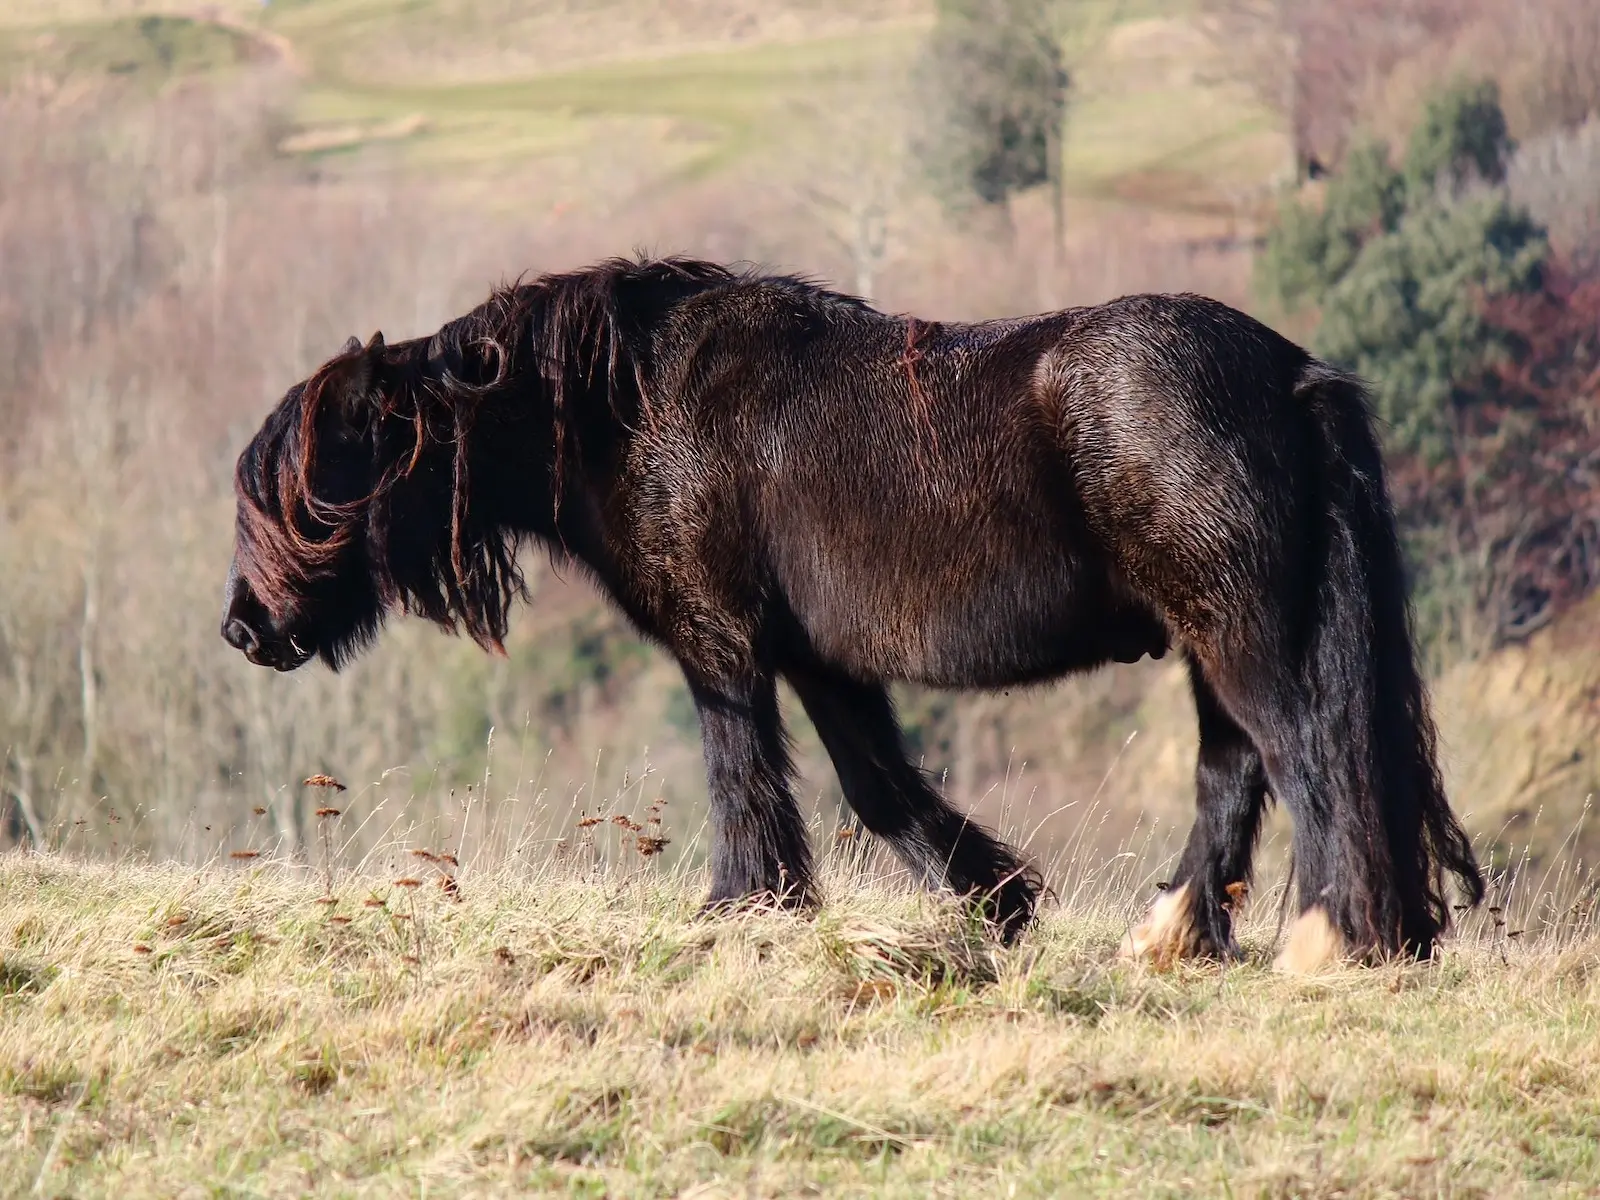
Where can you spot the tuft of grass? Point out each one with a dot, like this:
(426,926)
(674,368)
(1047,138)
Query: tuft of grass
(555,1029)
(19,979)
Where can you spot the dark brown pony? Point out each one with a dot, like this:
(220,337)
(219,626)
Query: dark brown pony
(774,480)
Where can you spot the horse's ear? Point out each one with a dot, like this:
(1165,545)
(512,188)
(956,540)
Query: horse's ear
(351,378)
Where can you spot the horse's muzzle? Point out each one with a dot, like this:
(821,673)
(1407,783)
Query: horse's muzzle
(280,656)
(248,628)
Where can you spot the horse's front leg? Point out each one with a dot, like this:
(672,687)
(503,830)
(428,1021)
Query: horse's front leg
(759,848)
(939,843)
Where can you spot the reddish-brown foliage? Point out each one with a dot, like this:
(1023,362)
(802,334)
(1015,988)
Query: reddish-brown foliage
(1523,491)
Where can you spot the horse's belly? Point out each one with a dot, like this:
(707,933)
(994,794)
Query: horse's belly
(996,630)
(991,647)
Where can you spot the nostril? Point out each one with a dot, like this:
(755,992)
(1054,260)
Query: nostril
(239,635)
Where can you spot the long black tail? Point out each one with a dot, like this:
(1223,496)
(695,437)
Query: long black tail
(1364,675)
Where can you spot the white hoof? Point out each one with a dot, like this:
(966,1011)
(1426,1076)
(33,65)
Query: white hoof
(1164,935)
(1314,945)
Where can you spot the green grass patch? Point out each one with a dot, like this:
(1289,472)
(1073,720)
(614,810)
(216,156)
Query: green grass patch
(1149,124)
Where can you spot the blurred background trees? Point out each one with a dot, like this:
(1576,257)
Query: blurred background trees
(993,92)
(197,209)
(1425,270)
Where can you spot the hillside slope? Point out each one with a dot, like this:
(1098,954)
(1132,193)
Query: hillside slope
(1521,732)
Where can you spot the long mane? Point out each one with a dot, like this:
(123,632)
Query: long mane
(574,340)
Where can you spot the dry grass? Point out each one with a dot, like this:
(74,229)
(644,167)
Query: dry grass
(167,1031)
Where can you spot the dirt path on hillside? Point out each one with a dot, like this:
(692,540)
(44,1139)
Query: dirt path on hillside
(276,47)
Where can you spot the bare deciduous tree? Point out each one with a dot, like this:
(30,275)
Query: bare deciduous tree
(1554,68)
(1314,61)
(853,173)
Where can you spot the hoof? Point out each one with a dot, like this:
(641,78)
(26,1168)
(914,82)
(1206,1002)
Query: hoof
(756,902)
(1009,909)
(1167,934)
(1314,945)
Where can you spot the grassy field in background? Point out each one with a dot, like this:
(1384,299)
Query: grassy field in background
(462,87)
(224,1032)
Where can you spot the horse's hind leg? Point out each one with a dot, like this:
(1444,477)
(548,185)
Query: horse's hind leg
(759,847)
(1193,917)
(941,845)
(1337,861)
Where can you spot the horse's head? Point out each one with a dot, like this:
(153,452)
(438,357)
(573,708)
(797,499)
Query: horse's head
(354,497)
(304,580)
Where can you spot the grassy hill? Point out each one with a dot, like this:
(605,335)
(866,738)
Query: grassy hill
(225,1031)
(494,92)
